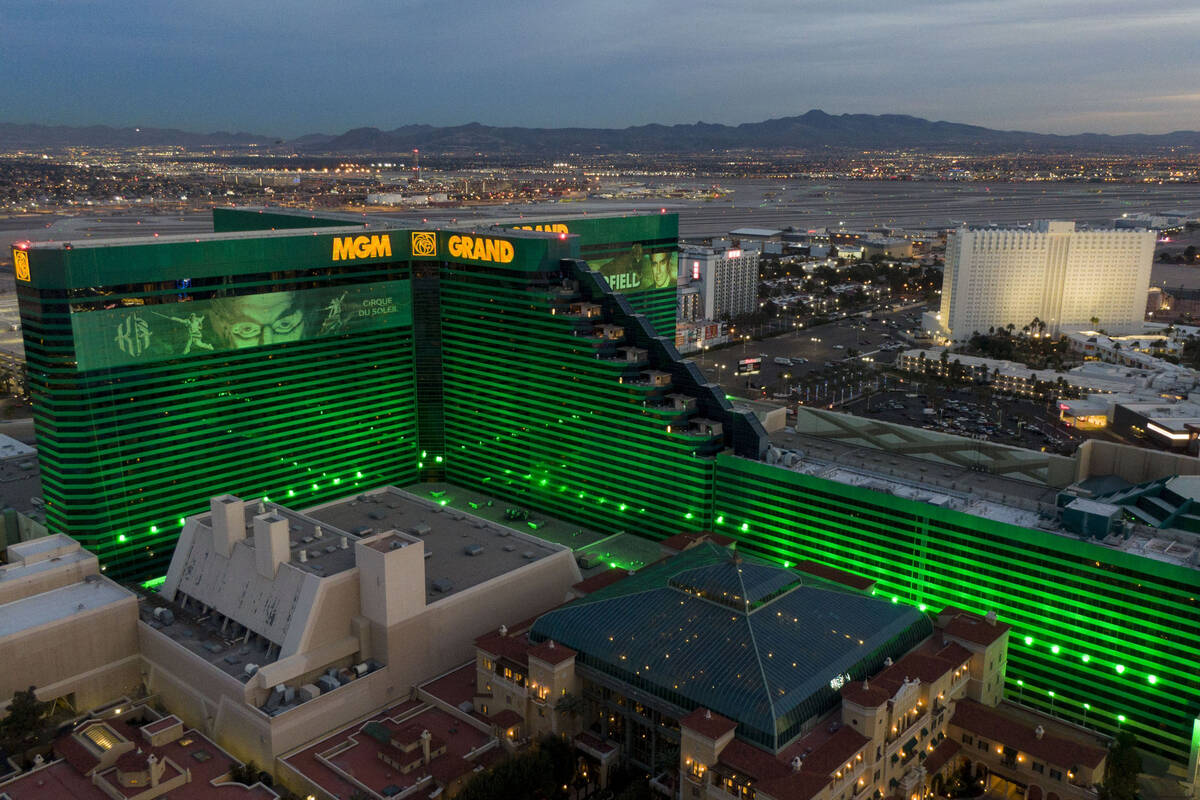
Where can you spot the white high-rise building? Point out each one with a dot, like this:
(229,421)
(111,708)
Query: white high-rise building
(728,278)
(1052,273)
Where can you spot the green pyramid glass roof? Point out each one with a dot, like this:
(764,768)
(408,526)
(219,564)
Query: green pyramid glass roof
(681,631)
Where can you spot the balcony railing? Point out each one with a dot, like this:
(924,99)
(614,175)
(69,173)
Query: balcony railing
(908,732)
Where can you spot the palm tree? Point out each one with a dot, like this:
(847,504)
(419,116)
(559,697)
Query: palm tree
(570,704)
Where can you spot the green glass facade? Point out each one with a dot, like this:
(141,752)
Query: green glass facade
(608,245)
(543,409)
(127,450)
(1098,634)
(502,363)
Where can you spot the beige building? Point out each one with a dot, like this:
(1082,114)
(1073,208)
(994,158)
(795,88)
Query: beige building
(274,626)
(64,627)
(622,690)
(1052,272)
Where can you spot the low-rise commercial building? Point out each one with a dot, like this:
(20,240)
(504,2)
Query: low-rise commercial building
(134,753)
(273,625)
(65,628)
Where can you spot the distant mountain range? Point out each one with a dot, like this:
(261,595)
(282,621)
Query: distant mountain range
(813,131)
(49,137)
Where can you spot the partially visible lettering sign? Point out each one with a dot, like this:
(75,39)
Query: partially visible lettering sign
(21,265)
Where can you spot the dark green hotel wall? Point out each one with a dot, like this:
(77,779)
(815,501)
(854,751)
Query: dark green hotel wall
(1100,637)
(540,412)
(128,449)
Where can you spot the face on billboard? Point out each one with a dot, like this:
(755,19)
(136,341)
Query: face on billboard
(637,270)
(259,319)
(139,334)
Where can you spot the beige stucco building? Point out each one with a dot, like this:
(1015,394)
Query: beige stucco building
(275,626)
(64,627)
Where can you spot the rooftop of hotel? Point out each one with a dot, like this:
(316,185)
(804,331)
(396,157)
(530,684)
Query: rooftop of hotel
(748,639)
(1059,743)
(463,548)
(58,604)
(614,549)
(191,751)
(41,555)
(1014,501)
(350,758)
(204,635)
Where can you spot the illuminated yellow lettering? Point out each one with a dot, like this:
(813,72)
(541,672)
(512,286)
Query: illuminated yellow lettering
(480,249)
(346,248)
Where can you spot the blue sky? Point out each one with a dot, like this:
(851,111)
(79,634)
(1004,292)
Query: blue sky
(286,68)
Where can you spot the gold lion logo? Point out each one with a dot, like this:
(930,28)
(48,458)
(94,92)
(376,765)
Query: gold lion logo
(21,265)
(424,244)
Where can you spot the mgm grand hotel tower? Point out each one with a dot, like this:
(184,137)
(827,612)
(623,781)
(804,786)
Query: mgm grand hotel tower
(306,359)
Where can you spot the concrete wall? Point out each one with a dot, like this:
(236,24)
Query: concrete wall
(91,654)
(448,628)
(15,587)
(210,700)
(1134,464)
(197,691)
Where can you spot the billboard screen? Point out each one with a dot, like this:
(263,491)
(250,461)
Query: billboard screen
(638,270)
(140,334)
(749,366)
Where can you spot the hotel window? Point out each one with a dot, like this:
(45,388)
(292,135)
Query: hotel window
(1055,775)
(984,745)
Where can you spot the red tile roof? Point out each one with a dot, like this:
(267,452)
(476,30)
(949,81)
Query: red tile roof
(330,761)
(974,628)
(835,752)
(164,724)
(454,688)
(998,726)
(955,652)
(600,581)
(682,541)
(133,761)
(868,695)
(750,760)
(941,755)
(506,718)
(679,542)
(552,652)
(76,754)
(446,769)
(707,723)
(916,665)
(796,786)
(835,575)
(64,780)
(513,646)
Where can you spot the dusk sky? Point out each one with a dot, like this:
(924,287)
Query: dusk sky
(287,68)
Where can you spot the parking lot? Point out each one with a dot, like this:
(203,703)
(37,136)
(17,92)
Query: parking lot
(819,357)
(968,412)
